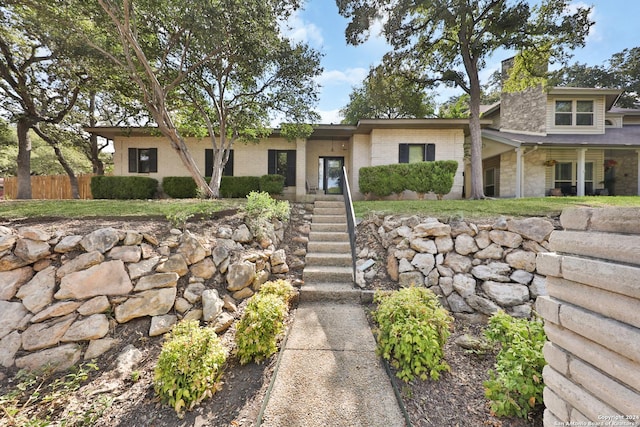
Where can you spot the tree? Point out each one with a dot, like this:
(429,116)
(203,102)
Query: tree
(384,95)
(448,41)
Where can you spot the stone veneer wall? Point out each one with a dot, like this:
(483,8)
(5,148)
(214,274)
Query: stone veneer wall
(592,318)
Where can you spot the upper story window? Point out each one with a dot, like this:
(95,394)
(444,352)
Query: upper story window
(574,113)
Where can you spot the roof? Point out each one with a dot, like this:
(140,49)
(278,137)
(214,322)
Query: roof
(626,136)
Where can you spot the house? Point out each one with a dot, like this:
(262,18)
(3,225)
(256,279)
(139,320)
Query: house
(310,165)
(561,141)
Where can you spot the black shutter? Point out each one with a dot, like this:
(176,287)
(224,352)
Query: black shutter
(403,155)
(228,168)
(430,152)
(271,167)
(291,168)
(133,160)
(208,162)
(153,160)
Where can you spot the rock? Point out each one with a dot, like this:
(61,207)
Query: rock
(219,254)
(95,305)
(99,347)
(211,304)
(446,285)
(469,342)
(261,278)
(536,229)
(67,244)
(278,257)
(147,303)
(11,280)
(204,269)
(224,232)
(127,361)
(522,260)
(497,271)
(405,266)
(240,275)
(444,271)
(61,358)
(457,304)
(464,284)
(432,278)
(500,224)
(162,324)
(142,268)
(243,293)
(193,292)
(483,305)
(158,280)
(38,292)
(132,238)
(432,227)
(458,263)
(81,262)
(424,263)
(407,254)
(194,314)
(366,265)
(444,244)
(11,316)
(34,233)
(31,250)
(242,234)
(460,227)
(522,311)
(176,263)
(229,303)
(531,246)
(465,244)
(191,249)
(44,335)
(126,253)
(11,262)
(505,238)
(100,240)
(538,287)
(108,278)
(9,346)
(150,238)
(424,246)
(56,310)
(392,267)
(280,269)
(412,278)
(93,327)
(7,242)
(182,305)
(492,251)
(223,322)
(295,263)
(482,239)
(506,294)
(522,277)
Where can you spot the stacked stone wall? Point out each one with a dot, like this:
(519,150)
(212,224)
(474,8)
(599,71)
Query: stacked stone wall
(592,318)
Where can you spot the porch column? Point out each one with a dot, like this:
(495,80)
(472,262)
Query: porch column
(638,153)
(518,172)
(580,180)
(301,168)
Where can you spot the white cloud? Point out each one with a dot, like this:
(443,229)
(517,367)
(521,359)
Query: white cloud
(299,30)
(594,34)
(351,76)
(329,116)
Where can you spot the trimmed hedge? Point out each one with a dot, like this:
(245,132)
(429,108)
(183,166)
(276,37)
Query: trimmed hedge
(123,187)
(238,186)
(179,187)
(272,184)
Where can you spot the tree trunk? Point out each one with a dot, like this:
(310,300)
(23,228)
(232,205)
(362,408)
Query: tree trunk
(73,179)
(477,190)
(24,160)
(98,166)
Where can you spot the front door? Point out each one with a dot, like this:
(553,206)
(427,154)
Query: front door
(330,174)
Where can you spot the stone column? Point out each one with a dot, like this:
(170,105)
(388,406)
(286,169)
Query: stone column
(301,168)
(518,173)
(580,179)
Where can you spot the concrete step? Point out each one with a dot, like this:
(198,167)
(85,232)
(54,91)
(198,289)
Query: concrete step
(328,236)
(329,227)
(328,259)
(329,204)
(329,247)
(329,211)
(340,292)
(325,274)
(329,219)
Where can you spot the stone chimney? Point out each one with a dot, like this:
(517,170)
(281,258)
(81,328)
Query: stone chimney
(524,111)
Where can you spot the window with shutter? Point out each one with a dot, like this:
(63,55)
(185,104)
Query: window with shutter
(411,153)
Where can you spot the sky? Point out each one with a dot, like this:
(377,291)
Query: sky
(345,66)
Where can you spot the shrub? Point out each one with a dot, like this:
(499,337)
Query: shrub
(374,180)
(190,365)
(238,186)
(420,178)
(413,329)
(397,176)
(123,187)
(260,326)
(262,205)
(179,187)
(443,175)
(272,184)
(280,288)
(515,386)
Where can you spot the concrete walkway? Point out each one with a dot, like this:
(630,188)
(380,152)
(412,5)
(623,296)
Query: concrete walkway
(329,374)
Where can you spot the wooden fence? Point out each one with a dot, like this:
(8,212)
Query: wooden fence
(50,187)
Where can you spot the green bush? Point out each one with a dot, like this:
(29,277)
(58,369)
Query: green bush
(397,176)
(123,187)
(420,178)
(374,180)
(179,187)
(443,175)
(280,288)
(272,184)
(413,329)
(262,205)
(260,326)
(190,365)
(515,386)
(238,186)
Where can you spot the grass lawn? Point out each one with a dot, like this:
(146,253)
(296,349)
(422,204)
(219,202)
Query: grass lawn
(490,208)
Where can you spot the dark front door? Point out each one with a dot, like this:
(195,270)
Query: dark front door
(331,174)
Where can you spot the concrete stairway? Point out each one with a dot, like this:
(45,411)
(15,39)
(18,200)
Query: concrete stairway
(328,272)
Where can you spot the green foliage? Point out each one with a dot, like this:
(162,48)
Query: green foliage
(262,323)
(179,187)
(262,205)
(190,365)
(123,187)
(515,386)
(238,186)
(529,70)
(397,175)
(272,184)
(413,329)
(421,178)
(373,180)
(280,288)
(442,178)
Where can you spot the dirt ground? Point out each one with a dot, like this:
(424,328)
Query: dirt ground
(110,398)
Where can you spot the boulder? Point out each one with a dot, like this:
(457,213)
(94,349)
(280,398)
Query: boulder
(482,239)
(521,276)
(175,263)
(7,241)
(404,266)
(278,257)
(536,229)
(100,240)
(155,281)
(38,292)
(457,304)
(212,305)
(93,327)
(56,310)
(538,287)
(11,280)
(423,245)
(132,238)
(31,250)
(497,271)
(95,305)
(9,346)
(458,263)
(240,275)
(522,260)
(522,310)
(126,253)
(11,262)
(204,269)
(45,335)
(492,251)
(12,315)
(143,267)
(127,361)
(465,244)
(243,293)
(193,292)
(432,228)
(482,305)
(81,262)
(242,234)
(99,347)
(61,358)
(108,278)
(412,278)
(191,249)
(444,244)
(424,262)
(34,233)
(464,284)
(446,285)
(147,303)
(461,227)
(505,238)
(162,324)
(392,267)
(506,294)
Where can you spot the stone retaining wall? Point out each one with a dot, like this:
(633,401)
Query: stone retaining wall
(475,269)
(61,296)
(592,319)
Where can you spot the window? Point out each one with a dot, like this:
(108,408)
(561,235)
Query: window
(566,177)
(569,112)
(411,153)
(490,182)
(208,163)
(283,162)
(143,160)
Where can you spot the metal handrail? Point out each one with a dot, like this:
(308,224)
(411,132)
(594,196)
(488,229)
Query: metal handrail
(351,219)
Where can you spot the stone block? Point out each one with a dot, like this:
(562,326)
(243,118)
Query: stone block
(108,278)
(10,281)
(506,294)
(549,309)
(620,248)
(619,278)
(505,238)
(556,406)
(576,218)
(61,358)
(536,229)
(411,278)
(556,357)
(616,220)
(549,264)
